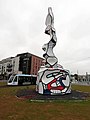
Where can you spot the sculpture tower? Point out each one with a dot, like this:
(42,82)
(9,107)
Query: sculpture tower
(51,78)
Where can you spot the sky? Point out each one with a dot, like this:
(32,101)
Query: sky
(22,26)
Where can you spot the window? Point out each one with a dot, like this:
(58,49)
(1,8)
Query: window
(15,80)
(11,78)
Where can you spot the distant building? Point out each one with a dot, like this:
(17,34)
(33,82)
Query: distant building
(29,63)
(81,79)
(25,63)
(8,66)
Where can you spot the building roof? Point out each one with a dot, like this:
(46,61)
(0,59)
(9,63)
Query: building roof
(28,54)
(6,60)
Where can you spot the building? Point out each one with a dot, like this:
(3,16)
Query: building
(25,63)
(8,66)
(29,63)
(81,79)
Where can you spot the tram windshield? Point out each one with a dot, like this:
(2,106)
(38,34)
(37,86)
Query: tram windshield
(10,79)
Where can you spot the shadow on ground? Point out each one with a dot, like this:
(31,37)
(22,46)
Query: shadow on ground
(33,95)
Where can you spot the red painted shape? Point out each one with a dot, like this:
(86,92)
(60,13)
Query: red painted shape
(54,88)
(49,84)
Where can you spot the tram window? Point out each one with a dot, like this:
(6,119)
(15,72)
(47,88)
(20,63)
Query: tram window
(11,79)
(15,80)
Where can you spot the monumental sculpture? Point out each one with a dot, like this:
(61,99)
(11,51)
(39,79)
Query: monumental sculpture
(52,79)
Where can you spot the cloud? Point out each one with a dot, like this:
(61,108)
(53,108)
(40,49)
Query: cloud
(22,25)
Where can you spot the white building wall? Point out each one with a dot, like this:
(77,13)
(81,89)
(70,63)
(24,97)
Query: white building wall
(0,68)
(9,63)
(15,63)
(4,68)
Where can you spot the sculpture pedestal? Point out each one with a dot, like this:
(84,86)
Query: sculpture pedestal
(53,81)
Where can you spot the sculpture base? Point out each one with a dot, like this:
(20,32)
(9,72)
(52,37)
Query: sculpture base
(32,95)
(53,81)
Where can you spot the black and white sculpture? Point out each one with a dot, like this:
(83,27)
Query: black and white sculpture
(51,60)
(52,79)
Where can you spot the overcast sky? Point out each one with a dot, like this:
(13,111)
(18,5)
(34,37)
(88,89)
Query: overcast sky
(22,25)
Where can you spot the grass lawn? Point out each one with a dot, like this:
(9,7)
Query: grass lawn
(12,108)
